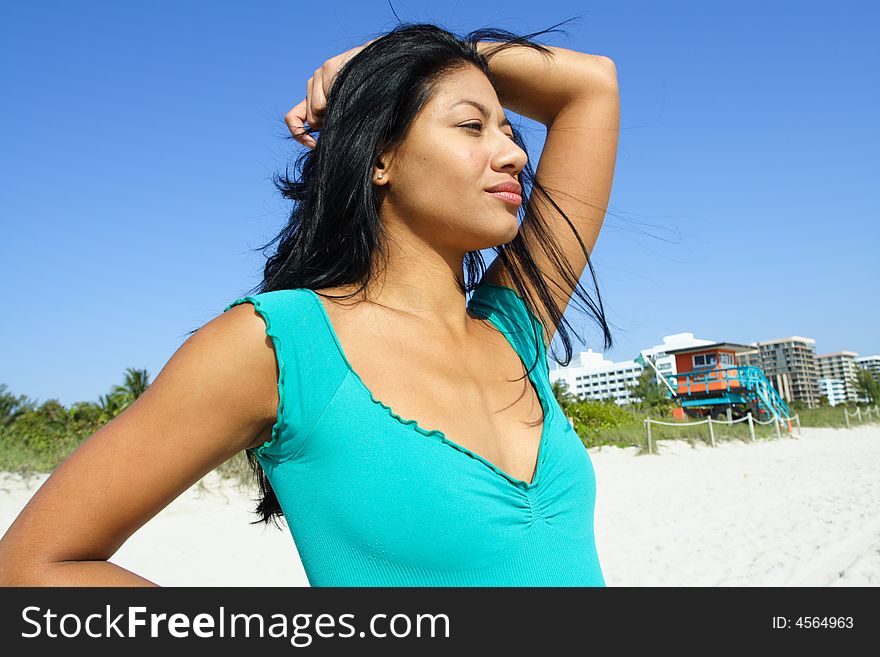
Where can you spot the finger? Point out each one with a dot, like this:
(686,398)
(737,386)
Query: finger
(310,115)
(294,120)
(317,100)
(319,96)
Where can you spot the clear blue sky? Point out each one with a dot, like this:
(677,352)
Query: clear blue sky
(138,142)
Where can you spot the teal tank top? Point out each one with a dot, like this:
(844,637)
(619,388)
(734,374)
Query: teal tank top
(374,499)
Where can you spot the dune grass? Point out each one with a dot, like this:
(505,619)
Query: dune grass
(41,438)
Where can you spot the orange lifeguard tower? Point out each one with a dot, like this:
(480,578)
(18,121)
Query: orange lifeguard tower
(708,381)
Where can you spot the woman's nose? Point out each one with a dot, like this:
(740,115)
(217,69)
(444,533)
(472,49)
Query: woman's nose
(511,156)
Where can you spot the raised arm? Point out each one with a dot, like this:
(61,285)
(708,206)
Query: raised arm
(575,95)
(216,396)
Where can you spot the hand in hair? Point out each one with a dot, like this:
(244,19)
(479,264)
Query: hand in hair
(311,109)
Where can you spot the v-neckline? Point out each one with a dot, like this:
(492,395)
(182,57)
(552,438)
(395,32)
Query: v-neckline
(545,407)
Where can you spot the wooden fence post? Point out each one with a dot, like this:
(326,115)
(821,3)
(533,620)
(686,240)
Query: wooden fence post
(751,427)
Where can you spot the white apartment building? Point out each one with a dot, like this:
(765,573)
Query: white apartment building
(839,366)
(591,376)
(834,390)
(870,363)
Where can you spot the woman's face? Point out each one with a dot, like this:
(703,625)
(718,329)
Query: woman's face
(434,182)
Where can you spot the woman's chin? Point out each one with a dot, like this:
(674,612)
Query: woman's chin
(512,227)
(505,234)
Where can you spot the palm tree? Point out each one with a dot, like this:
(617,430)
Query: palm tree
(136,382)
(121,397)
(12,407)
(867,387)
(563,396)
(111,405)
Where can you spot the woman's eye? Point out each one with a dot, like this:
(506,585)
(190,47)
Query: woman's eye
(478,127)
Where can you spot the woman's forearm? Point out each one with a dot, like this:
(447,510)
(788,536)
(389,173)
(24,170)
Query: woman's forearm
(537,86)
(77,573)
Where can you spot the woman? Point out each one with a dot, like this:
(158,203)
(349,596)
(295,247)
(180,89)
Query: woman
(387,418)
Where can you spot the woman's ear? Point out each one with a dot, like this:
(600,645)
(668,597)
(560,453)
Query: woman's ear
(383,164)
(382,168)
(380,173)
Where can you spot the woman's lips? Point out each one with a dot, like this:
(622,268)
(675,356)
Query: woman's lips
(508,197)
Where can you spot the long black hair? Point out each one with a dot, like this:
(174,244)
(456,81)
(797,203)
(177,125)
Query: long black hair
(334,232)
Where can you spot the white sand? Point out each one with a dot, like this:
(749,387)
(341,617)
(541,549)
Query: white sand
(786,512)
(790,512)
(201,539)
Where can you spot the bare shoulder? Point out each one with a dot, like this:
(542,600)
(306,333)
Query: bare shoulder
(240,335)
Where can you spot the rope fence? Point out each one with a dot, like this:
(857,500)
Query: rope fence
(748,418)
(858,414)
(861,416)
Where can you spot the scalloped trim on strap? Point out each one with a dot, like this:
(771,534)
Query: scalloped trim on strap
(332,331)
(280,425)
(413,423)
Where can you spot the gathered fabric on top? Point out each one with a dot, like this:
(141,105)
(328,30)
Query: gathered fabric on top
(374,499)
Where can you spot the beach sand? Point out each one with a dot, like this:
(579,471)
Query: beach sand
(785,512)
(788,512)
